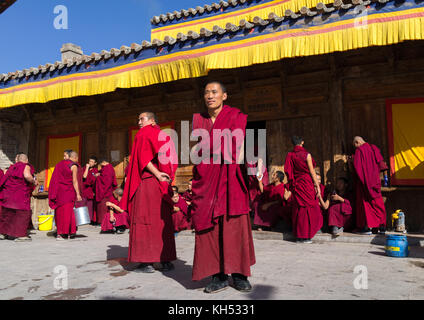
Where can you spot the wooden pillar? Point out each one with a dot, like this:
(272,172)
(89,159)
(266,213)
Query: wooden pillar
(337,125)
(32,134)
(102,121)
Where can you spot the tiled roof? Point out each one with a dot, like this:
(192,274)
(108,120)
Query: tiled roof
(4,4)
(203,33)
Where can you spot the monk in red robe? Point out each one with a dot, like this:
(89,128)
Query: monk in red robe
(220,205)
(16,187)
(258,169)
(105,184)
(188,194)
(299,167)
(118,219)
(270,206)
(64,192)
(339,208)
(180,216)
(1,176)
(88,188)
(147,197)
(370,210)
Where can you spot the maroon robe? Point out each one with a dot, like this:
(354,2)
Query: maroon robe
(62,197)
(180,219)
(370,210)
(307,217)
(187,196)
(105,184)
(122,218)
(148,201)
(286,213)
(1,176)
(15,200)
(253,185)
(340,213)
(269,217)
(88,189)
(220,206)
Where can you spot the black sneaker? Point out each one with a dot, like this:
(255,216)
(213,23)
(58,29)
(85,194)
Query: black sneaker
(241,283)
(167,266)
(382,230)
(145,268)
(219,282)
(365,231)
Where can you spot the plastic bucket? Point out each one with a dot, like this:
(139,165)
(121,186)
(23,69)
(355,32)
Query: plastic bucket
(45,222)
(82,216)
(396,246)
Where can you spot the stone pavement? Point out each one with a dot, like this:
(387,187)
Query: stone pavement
(96,268)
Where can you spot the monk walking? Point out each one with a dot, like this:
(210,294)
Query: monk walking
(147,197)
(304,185)
(220,204)
(105,184)
(370,210)
(16,187)
(64,191)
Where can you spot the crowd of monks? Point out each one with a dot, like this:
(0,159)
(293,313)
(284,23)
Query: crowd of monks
(218,205)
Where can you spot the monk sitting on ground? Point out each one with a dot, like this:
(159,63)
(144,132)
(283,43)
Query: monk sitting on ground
(180,213)
(117,220)
(339,208)
(270,206)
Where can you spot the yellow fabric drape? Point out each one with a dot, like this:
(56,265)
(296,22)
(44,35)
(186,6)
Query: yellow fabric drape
(408,140)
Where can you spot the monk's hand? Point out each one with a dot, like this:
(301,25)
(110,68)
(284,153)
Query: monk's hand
(162,176)
(265,207)
(79,198)
(112,218)
(176,209)
(336,197)
(318,191)
(108,204)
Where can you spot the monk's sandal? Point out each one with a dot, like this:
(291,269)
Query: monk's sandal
(241,283)
(145,268)
(219,282)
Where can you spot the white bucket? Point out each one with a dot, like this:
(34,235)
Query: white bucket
(82,216)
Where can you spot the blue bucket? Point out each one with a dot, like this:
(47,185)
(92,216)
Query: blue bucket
(396,246)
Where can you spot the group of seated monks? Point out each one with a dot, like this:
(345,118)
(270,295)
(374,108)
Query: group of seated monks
(307,207)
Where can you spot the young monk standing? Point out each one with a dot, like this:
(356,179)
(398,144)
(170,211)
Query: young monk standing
(220,205)
(64,191)
(105,184)
(147,197)
(304,185)
(16,187)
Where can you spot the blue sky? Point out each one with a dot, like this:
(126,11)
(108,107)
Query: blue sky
(28,37)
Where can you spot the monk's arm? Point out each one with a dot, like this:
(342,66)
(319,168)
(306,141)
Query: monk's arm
(86,172)
(287,194)
(261,185)
(75,182)
(117,208)
(161,176)
(28,176)
(324,204)
(313,174)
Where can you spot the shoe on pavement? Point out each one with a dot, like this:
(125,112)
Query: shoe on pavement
(241,283)
(307,241)
(337,231)
(219,282)
(167,266)
(145,268)
(364,231)
(60,238)
(3,237)
(23,239)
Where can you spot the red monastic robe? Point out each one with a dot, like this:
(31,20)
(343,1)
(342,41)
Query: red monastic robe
(253,185)
(340,214)
(148,201)
(307,217)
(220,206)
(15,199)
(268,218)
(1,176)
(105,184)
(187,196)
(122,218)
(62,198)
(180,218)
(370,210)
(88,189)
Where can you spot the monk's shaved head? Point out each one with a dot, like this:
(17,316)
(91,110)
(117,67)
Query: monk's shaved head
(73,155)
(358,141)
(22,157)
(146,118)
